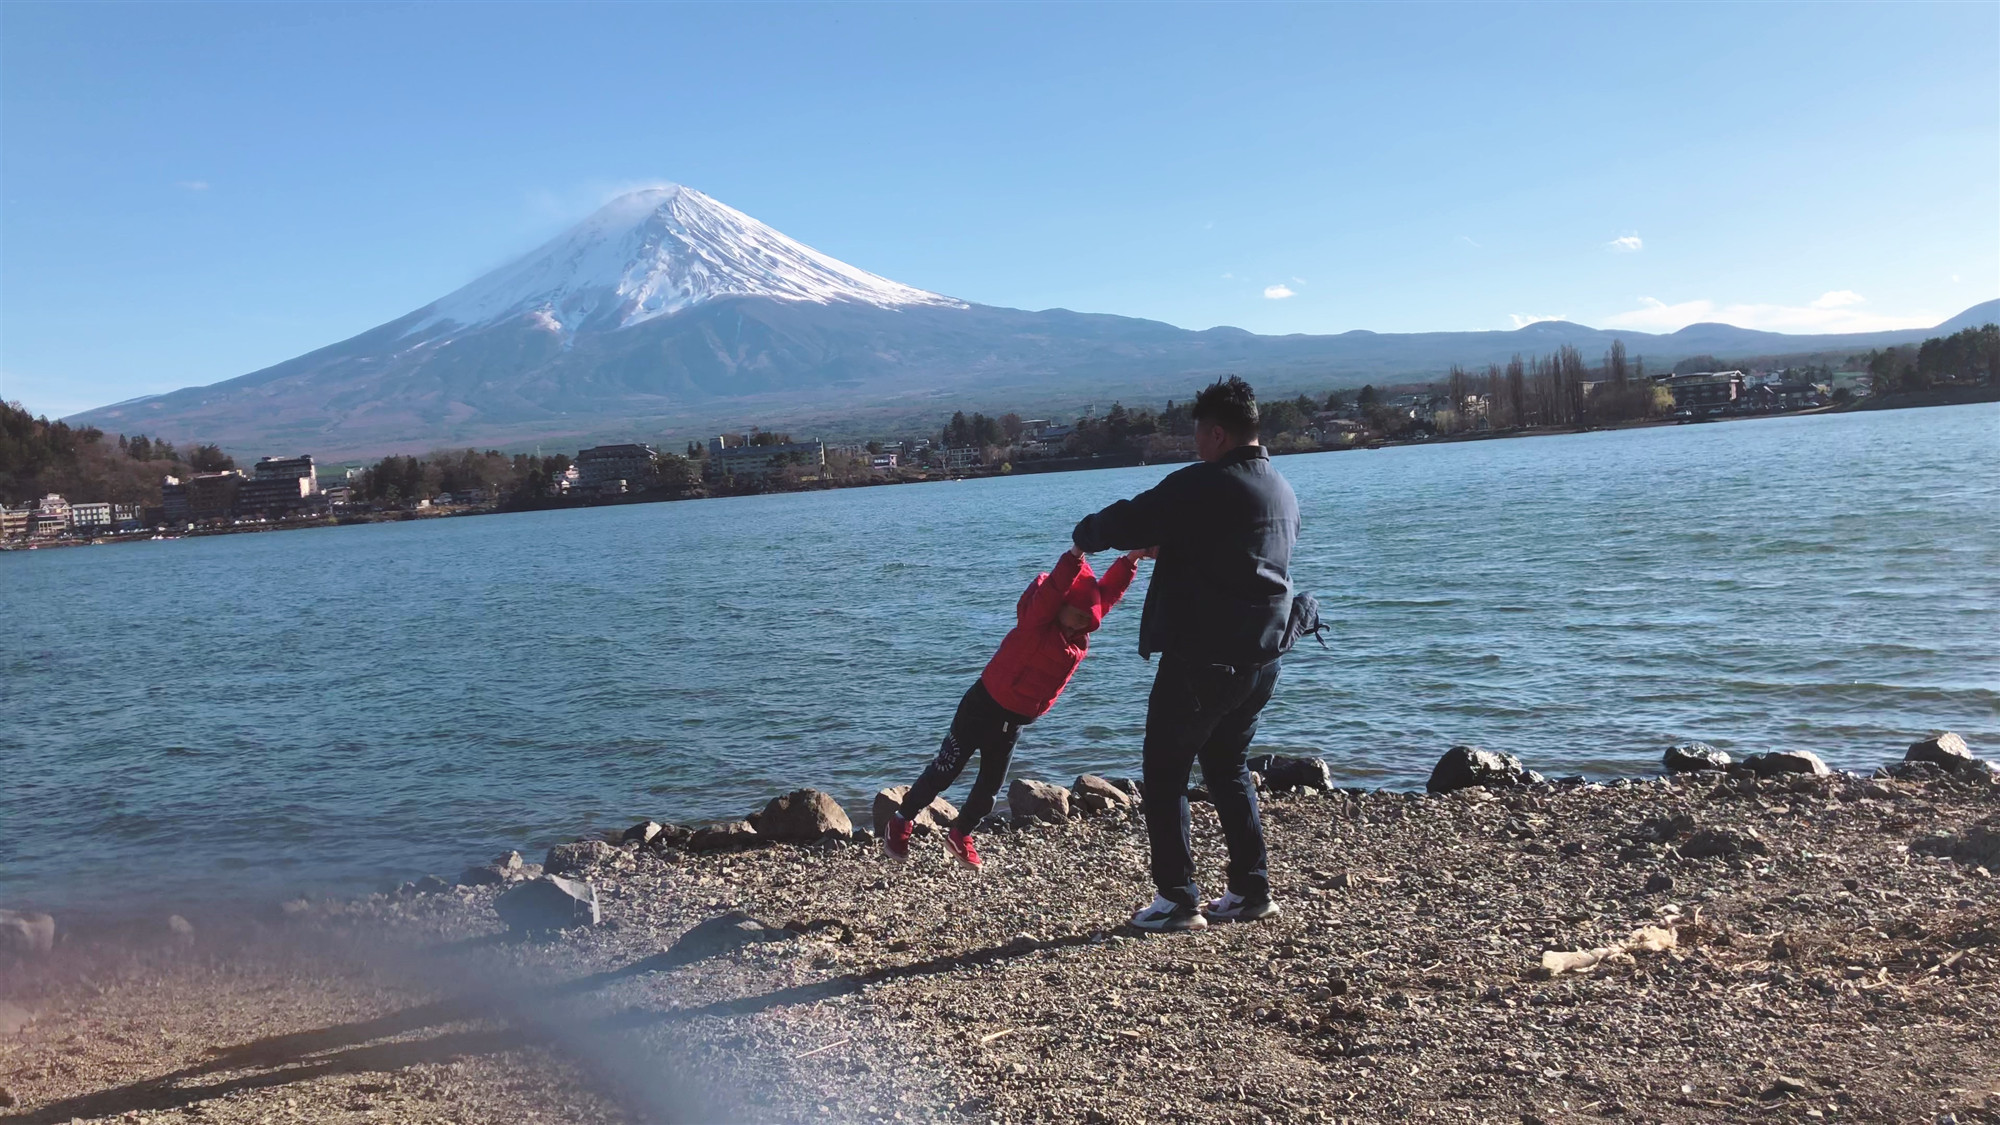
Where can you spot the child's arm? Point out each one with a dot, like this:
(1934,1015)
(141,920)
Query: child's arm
(1044,595)
(1112,585)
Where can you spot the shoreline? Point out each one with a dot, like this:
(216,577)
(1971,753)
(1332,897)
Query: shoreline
(1827,942)
(1919,399)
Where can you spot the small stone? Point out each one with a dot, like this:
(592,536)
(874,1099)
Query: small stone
(180,930)
(1693,757)
(1784,1086)
(548,903)
(1287,774)
(721,934)
(1037,800)
(25,932)
(801,817)
(1659,884)
(580,855)
(1712,843)
(7,1099)
(509,862)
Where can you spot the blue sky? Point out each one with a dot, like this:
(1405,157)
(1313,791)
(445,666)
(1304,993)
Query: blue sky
(189,192)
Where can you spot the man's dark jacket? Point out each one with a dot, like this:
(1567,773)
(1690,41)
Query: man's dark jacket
(1221,590)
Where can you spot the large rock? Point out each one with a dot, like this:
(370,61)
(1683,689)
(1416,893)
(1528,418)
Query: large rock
(1977,846)
(548,903)
(724,837)
(1093,794)
(566,859)
(1943,749)
(25,932)
(642,833)
(802,816)
(1779,762)
(1693,757)
(1464,767)
(1037,800)
(1287,774)
(934,817)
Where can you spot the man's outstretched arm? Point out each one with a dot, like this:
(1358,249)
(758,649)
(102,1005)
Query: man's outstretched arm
(1129,525)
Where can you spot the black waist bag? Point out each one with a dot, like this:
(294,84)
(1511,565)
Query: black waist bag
(1304,620)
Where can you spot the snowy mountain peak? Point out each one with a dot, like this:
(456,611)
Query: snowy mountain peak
(652,253)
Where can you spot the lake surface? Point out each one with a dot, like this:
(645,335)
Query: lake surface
(325,710)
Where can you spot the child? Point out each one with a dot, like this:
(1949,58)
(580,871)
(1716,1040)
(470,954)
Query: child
(1056,615)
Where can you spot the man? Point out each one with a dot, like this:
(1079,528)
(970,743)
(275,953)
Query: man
(1215,612)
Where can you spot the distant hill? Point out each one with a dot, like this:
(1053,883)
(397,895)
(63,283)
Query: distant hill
(667,312)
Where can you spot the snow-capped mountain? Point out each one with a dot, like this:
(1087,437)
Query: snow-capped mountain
(666,313)
(653,253)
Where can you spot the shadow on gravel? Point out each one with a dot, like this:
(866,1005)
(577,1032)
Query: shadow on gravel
(633,1074)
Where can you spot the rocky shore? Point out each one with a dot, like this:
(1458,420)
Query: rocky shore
(1760,940)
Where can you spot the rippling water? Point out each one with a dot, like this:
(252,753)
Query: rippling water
(327,709)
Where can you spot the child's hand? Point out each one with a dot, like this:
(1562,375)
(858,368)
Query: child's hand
(1075,552)
(1142,553)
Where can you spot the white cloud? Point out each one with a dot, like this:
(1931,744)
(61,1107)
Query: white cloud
(1467,239)
(1831,312)
(1522,320)
(193,185)
(1277,292)
(1627,244)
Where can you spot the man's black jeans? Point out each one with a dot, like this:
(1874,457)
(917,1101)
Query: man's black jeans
(980,725)
(1204,713)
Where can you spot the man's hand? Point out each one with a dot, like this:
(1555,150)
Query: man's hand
(1075,551)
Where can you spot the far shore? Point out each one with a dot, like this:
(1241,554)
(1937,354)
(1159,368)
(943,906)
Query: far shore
(1902,400)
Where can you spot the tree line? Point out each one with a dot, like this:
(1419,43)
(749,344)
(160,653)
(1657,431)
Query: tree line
(1970,357)
(38,456)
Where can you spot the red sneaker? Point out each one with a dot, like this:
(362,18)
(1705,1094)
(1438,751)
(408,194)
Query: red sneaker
(897,840)
(961,846)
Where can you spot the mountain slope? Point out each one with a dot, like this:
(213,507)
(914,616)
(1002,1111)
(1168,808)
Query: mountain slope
(668,312)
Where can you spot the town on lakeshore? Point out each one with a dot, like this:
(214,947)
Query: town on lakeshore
(64,486)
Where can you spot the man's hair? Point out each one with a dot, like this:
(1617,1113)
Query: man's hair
(1231,404)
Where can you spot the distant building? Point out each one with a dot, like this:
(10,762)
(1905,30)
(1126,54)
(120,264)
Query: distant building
(90,517)
(212,496)
(1704,390)
(288,468)
(338,495)
(16,523)
(756,462)
(964,457)
(600,466)
(50,517)
(882,461)
(174,511)
(1786,396)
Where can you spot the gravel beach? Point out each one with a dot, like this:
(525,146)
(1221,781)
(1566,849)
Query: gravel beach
(1696,948)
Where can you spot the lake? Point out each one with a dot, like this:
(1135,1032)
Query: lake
(325,710)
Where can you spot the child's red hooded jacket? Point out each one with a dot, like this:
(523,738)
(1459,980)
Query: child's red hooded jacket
(1038,658)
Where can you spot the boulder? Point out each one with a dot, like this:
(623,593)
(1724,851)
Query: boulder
(934,817)
(1693,757)
(25,932)
(722,934)
(642,833)
(1037,800)
(548,903)
(1942,749)
(1465,767)
(488,875)
(1786,761)
(724,837)
(1093,794)
(580,855)
(801,817)
(1721,843)
(1285,774)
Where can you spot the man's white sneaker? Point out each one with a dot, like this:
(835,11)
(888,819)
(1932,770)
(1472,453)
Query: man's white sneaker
(1165,915)
(1233,907)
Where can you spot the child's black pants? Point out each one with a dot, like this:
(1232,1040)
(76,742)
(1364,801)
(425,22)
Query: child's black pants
(980,725)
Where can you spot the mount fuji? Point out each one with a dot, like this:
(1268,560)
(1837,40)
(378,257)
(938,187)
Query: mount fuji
(668,312)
